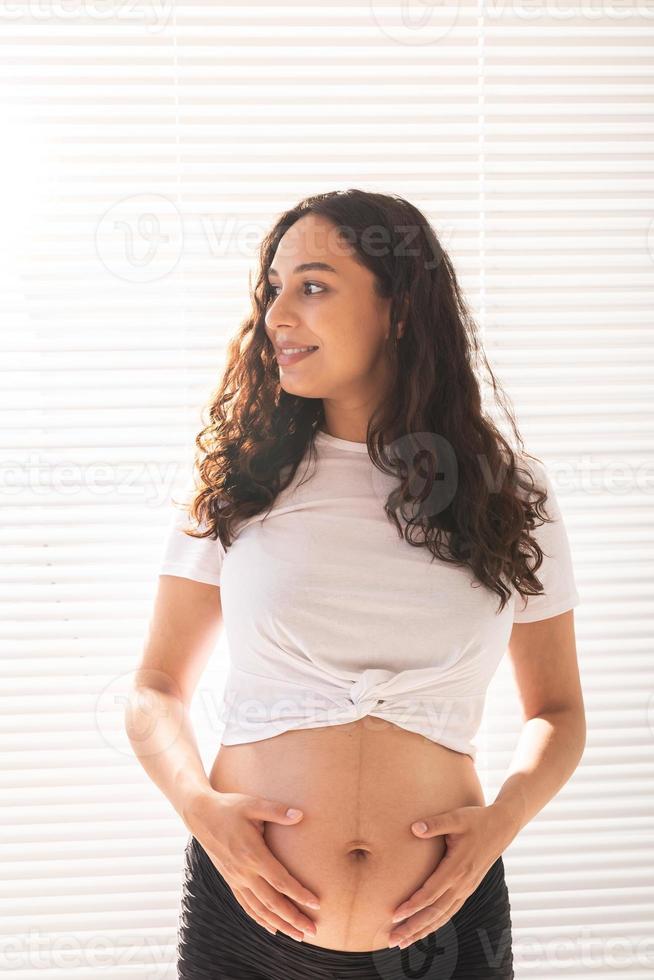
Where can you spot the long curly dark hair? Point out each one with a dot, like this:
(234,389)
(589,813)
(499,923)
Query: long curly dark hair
(475,506)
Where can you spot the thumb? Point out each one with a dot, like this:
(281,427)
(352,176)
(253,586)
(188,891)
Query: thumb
(272,811)
(440,823)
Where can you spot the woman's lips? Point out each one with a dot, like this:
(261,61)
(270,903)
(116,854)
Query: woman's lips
(287,359)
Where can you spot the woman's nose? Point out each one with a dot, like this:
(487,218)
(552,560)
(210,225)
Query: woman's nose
(280,315)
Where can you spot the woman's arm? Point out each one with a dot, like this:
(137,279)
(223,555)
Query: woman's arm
(229,826)
(549,749)
(182,633)
(543,656)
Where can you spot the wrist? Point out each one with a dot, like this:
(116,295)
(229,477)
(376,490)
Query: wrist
(510,818)
(194,791)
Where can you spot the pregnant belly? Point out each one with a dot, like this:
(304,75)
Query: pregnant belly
(360,786)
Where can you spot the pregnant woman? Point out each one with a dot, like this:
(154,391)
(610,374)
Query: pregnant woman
(374,546)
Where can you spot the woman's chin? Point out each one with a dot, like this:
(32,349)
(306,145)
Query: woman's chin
(293,385)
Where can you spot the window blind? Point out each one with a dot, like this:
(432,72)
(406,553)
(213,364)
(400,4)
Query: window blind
(566,287)
(147,150)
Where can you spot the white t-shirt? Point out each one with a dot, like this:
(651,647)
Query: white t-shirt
(330,616)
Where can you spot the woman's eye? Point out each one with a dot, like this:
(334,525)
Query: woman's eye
(273,288)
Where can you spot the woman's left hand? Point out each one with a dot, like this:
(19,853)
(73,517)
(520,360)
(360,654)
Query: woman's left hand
(475,837)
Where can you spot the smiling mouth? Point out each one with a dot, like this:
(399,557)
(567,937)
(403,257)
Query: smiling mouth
(283,358)
(294,348)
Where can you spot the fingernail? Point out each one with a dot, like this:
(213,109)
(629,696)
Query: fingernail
(292,812)
(312,904)
(421,826)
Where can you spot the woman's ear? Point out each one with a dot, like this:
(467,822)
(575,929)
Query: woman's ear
(401,323)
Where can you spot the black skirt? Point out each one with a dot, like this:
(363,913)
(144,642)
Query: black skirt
(218,940)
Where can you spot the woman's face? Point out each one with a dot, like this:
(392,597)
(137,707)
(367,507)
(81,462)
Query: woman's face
(336,311)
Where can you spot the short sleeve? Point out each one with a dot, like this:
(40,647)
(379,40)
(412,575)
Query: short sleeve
(556,571)
(200,559)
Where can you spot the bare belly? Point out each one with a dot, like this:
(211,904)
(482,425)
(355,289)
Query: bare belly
(360,786)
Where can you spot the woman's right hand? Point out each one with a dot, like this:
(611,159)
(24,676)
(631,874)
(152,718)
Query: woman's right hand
(230,826)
